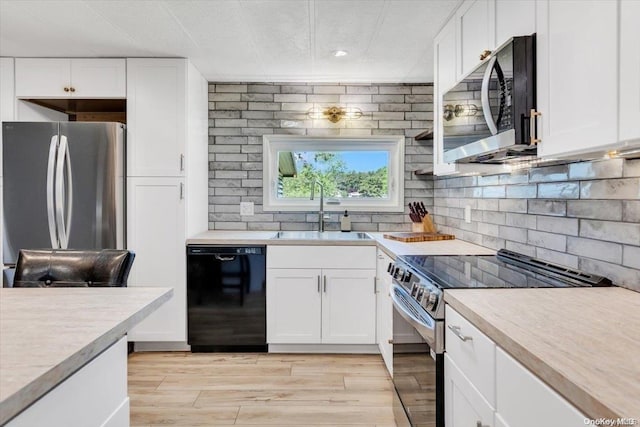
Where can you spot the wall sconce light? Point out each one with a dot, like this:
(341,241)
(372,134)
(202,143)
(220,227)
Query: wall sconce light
(459,110)
(335,114)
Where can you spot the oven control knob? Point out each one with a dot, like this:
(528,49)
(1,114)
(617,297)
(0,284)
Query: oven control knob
(399,272)
(414,289)
(433,300)
(407,276)
(425,298)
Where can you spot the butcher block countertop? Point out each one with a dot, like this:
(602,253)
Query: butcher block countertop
(392,247)
(584,343)
(48,334)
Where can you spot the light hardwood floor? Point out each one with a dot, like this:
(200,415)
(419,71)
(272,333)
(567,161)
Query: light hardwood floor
(224,389)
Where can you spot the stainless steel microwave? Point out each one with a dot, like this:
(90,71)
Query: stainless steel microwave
(488,116)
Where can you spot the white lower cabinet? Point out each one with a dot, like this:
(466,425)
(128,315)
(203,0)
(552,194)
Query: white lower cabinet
(464,405)
(294,305)
(156,233)
(321,305)
(484,386)
(95,395)
(349,306)
(521,395)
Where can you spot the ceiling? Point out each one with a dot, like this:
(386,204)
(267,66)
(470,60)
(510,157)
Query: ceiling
(238,40)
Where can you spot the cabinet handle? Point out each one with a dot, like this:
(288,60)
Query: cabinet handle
(533,126)
(375,285)
(182,191)
(318,283)
(479,424)
(324,278)
(390,341)
(456,332)
(485,53)
(66,89)
(72,89)
(181,162)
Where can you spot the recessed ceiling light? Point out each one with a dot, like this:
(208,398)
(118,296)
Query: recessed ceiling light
(340,53)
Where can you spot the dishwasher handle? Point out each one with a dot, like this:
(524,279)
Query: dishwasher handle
(225,251)
(224,258)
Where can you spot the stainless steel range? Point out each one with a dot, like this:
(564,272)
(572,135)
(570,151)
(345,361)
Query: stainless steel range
(419,282)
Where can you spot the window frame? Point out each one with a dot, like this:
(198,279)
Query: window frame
(272,144)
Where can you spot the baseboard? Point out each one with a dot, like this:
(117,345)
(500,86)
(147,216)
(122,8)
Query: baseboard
(160,346)
(324,348)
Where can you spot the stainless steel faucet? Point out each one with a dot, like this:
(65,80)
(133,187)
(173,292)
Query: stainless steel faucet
(321,217)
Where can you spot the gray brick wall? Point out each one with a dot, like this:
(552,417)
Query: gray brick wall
(585,215)
(241,113)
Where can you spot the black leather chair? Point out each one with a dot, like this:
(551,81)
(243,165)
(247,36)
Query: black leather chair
(51,268)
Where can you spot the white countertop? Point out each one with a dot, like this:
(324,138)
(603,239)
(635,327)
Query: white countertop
(46,334)
(392,247)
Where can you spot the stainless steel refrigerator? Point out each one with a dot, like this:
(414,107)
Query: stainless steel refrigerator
(63,186)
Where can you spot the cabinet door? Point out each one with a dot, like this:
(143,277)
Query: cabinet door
(156,116)
(629,70)
(7,97)
(293,306)
(444,50)
(577,75)
(155,232)
(349,306)
(98,78)
(43,78)
(475,24)
(514,18)
(384,310)
(520,395)
(464,406)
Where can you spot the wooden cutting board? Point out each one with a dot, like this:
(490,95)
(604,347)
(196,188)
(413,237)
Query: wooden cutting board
(418,237)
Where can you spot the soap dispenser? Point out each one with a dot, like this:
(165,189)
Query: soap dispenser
(345,222)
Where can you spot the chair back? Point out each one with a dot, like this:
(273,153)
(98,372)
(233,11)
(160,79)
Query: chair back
(43,268)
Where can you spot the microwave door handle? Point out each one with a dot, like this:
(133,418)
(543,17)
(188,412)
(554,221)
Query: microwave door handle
(484,96)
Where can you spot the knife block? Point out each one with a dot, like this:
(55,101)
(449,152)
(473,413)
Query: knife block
(426,226)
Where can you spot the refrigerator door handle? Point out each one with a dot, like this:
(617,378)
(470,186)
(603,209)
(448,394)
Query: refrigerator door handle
(64,196)
(51,167)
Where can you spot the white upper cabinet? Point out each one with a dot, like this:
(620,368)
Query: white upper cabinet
(78,78)
(475,24)
(156,116)
(445,57)
(514,18)
(629,70)
(577,76)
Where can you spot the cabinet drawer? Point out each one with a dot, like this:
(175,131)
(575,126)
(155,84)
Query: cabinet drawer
(360,257)
(520,395)
(472,351)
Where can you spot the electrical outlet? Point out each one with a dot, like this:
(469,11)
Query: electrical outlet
(246,208)
(467,214)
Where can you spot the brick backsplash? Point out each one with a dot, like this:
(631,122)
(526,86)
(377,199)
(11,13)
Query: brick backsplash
(241,113)
(585,215)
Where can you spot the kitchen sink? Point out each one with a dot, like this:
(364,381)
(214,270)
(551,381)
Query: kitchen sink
(317,235)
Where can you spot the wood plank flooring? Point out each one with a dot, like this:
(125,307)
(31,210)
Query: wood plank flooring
(233,389)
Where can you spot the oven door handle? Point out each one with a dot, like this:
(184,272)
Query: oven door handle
(432,333)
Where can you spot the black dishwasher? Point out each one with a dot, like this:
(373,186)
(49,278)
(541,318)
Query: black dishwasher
(226,298)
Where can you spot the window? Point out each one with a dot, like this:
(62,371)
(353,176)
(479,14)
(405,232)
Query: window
(357,174)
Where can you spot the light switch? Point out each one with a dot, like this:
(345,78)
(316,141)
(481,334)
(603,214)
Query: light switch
(246,208)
